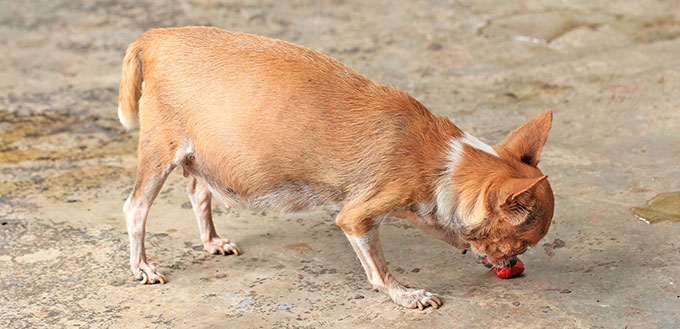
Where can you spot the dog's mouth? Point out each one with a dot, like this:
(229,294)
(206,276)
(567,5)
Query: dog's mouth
(510,262)
(485,262)
(504,262)
(481,258)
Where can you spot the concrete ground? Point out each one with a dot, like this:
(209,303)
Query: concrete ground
(609,69)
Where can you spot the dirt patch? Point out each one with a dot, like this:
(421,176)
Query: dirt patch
(550,247)
(525,90)
(64,185)
(58,136)
(300,247)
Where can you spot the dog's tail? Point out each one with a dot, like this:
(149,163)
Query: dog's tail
(130,86)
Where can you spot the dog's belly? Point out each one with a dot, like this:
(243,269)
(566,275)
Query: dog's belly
(282,196)
(286,197)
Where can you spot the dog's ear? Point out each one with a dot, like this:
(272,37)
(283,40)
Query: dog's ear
(527,141)
(516,192)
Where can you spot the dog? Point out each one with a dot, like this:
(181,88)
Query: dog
(265,124)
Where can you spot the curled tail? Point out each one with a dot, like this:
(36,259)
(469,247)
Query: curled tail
(130,86)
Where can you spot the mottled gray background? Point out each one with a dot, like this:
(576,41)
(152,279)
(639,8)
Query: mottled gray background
(609,69)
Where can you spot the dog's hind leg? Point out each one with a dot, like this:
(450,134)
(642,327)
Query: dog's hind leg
(151,175)
(200,197)
(158,155)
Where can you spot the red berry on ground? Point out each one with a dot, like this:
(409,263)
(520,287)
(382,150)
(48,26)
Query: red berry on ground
(509,272)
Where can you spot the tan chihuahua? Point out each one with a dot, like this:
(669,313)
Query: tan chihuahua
(263,123)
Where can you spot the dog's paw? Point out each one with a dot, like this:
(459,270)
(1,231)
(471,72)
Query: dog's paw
(147,274)
(413,298)
(218,245)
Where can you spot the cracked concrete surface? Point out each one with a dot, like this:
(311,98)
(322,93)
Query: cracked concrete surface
(610,70)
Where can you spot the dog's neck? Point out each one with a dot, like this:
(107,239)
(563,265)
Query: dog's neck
(444,213)
(451,210)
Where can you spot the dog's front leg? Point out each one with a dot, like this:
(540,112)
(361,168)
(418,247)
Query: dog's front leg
(363,235)
(429,224)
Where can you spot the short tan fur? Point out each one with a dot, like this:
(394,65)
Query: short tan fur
(262,123)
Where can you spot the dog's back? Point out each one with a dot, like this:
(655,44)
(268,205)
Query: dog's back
(274,124)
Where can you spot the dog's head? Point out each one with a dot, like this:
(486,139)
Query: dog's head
(505,203)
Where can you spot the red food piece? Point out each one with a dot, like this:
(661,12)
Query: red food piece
(509,272)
